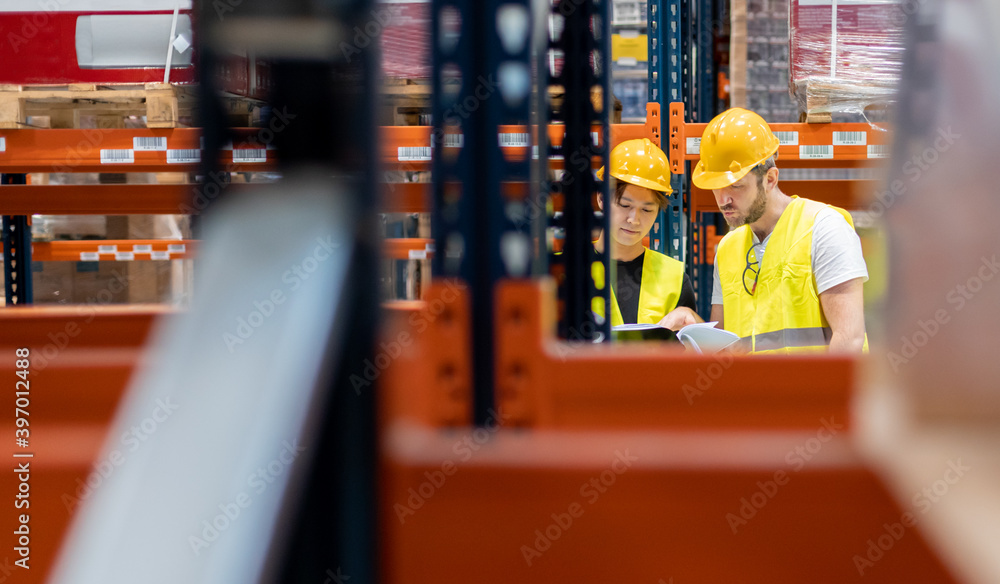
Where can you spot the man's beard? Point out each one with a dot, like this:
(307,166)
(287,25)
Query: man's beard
(755,212)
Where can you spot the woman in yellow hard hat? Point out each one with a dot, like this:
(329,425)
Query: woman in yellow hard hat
(649,287)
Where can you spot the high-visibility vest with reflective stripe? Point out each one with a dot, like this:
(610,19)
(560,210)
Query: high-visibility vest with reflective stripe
(659,290)
(783,315)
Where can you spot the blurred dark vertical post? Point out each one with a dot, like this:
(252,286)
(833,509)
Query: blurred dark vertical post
(321,120)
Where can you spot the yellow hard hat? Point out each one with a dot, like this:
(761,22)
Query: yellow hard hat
(734,142)
(642,163)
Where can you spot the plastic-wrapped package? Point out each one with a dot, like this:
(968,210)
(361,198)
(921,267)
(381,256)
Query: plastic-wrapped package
(405,27)
(846,55)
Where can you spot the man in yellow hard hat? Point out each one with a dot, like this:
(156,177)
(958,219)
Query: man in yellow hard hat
(805,293)
(649,287)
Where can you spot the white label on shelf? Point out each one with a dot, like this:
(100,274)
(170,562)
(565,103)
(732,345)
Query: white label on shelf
(186,156)
(596,137)
(3,144)
(414,153)
(534,151)
(788,138)
(454,140)
(89,256)
(806,152)
(121,156)
(142,248)
(515,140)
(177,248)
(878,151)
(850,138)
(159,255)
(627,13)
(246,155)
(418,254)
(124,256)
(107,248)
(694,145)
(157,143)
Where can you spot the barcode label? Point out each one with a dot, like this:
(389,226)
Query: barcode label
(627,13)
(414,153)
(245,155)
(815,152)
(787,138)
(596,137)
(177,248)
(850,138)
(878,151)
(159,255)
(454,140)
(418,254)
(694,145)
(149,144)
(89,256)
(107,248)
(117,156)
(124,256)
(3,144)
(534,152)
(142,248)
(183,156)
(518,140)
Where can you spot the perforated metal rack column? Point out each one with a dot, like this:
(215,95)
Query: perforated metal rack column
(666,85)
(16,252)
(482,78)
(585,36)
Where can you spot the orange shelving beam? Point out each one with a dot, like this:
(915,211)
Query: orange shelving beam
(125,199)
(802,145)
(124,150)
(113,250)
(403,248)
(408,248)
(179,149)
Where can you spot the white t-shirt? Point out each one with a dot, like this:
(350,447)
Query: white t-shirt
(836,253)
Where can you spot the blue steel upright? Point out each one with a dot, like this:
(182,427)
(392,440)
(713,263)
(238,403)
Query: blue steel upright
(481,79)
(16,252)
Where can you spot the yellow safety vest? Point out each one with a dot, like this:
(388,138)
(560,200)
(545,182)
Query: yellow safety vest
(784,314)
(659,290)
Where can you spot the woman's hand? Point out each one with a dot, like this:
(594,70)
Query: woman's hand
(679,318)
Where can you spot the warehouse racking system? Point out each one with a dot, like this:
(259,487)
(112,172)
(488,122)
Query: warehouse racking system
(557,413)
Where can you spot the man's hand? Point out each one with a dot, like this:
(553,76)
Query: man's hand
(679,318)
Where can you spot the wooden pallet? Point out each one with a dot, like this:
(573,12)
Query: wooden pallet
(163,105)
